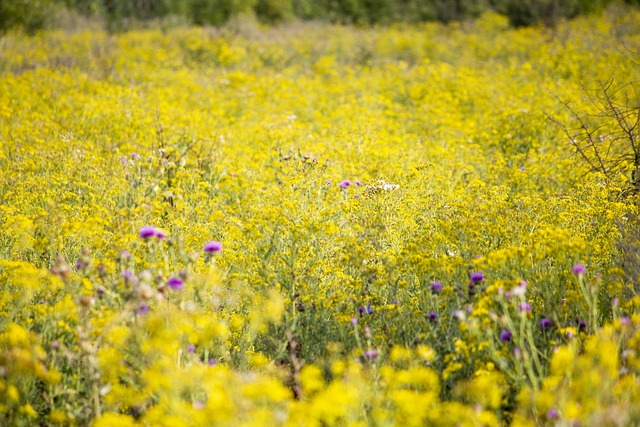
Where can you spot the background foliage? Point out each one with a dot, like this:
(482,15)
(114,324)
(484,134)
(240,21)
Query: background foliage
(121,14)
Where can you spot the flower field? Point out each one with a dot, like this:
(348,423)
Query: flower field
(317,225)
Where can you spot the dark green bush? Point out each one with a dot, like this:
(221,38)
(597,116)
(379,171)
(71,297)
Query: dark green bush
(274,10)
(217,12)
(31,15)
(548,12)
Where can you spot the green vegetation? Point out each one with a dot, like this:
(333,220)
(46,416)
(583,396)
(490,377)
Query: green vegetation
(122,14)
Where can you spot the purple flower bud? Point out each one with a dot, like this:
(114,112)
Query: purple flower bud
(544,323)
(524,306)
(432,316)
(582,325)
(579,269)
(212,247)
(472,288)
(175,283)
(129,277)
(371,354)
(505,335)
(476,277)
(436,287)
(142,310)
(147,232)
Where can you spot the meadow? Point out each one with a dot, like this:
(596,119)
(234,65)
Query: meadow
(319,225)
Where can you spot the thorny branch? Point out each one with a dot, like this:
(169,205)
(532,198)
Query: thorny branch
(608,140)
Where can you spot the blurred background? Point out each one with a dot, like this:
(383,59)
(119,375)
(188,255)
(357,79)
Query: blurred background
(119,15)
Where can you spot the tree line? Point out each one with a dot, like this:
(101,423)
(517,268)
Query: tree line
(119,14)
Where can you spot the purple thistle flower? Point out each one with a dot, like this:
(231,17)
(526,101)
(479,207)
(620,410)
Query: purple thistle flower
(142,310)
(436,287)
(579,269)
(212,247)
(476,277)
(212,362)
(505,335)
(371,354)
(191,348)
(552,414)
(357,183)
(175,283)
(354,321)
(160,234)
(345,184)
(582,325)
(524,306)
(544,323)
(147,232)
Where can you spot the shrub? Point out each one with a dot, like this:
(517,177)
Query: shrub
(30,15)
(547,12)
